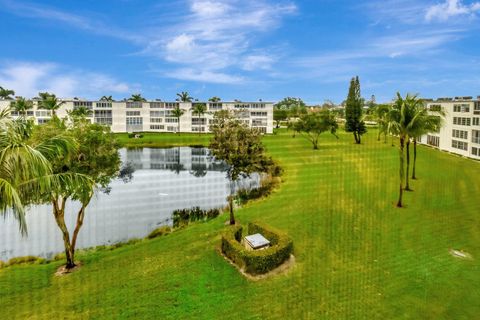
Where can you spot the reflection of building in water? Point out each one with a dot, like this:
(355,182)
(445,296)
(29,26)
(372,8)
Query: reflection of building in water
(176,159)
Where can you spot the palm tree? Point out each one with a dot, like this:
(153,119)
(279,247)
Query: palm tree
(425,122)
(137,97)
(177,113)
(45,95)
(5,94)
(184,97)
(21,105)
(381,113)
(199,109)
(25,170)
(215,99)
(52,103)
(107,98)
(400,119)
(80,113)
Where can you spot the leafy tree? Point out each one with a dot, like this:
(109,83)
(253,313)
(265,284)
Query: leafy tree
(214,99)
(106,98)
(177,112)
(96,158)
(279,115)
(313,124)
(21,105)
(240,147)
(6,94)
(25,171)
(380,113)
(184,97)
(80,113)
(51,102)
(199,109)
(137,97)
(354,110)
(294,106)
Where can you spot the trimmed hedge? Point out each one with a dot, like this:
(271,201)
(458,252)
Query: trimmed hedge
(257,261)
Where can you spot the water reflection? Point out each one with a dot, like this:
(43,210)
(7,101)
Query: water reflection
(152,183)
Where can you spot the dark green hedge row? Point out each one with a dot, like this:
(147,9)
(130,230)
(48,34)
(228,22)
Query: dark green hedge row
(184,216)
(258,261)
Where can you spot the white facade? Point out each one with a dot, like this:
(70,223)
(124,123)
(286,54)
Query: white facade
(155,116)
(460,132)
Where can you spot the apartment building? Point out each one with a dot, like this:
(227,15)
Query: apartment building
(156,116)
(460,132)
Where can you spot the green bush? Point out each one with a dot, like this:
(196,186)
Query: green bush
(159,232)
(2,264)
(135,135)
(258,261)
(184,216)
(25,259)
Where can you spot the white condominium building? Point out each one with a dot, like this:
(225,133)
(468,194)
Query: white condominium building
(460,132)
(156,116)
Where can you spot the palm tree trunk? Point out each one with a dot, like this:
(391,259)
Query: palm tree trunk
(401,171)
(230,203)
(178,131)
(414,159)
(355,136)
(59,213)
(359,138)
(407,184)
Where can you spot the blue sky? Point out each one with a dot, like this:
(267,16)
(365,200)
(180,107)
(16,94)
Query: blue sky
(240,49)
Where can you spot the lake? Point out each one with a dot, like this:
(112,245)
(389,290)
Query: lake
(163,180)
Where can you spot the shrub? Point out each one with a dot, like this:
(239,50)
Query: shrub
(2,264)
(257,261)
(25,259)
(159,232)
(135,135)
(184,216)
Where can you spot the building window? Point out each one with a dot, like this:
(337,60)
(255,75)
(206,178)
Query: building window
(460,134)
(43,113)
(87,104)
(261,129)
(476,136)
(215,106)
(476,121)
(476,151)
(461,121)
(258,122)
(171,120)
(42,121)
(156,104)
(133,113)
(171,105)
(435,107)
(464,107)
(134,121)
(103,116)
(157,113)
(198,129)
(258,114)
(156,127)
(172,129)
(459,145)
(199,121)
(433,140)
(476,108)
(156,120)
(134,104)
(103,104)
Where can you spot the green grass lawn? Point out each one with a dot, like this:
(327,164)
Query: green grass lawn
(357,256)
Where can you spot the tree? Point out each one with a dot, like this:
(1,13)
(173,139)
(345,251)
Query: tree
(184,97)
(214,99)
(137,97)
(240,147)
(294,106)
(354,110)
(106,98)
(21,105)
(199,109)
(96,158)
(80,113)
(279,115)
(380,113)
(6,94)
(25,171)
(313,124)
(51,102)
(177,112)
(45,95)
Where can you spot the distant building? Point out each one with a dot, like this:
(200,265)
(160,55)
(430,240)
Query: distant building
(460,132)
(156,116)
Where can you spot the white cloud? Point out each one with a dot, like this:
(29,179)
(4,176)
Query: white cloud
(204,76)
(256,62)
(29,78)
(449,9)
(209,8)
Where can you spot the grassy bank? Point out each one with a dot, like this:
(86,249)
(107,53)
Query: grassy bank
(357,256)
(164,140)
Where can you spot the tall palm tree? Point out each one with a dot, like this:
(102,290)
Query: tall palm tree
(177,112)
(400,119)
(6,94)
(21,105)
(199,109)
(425,122)
(45,95)
(137,97)
(51,103)
(107,98)
(381,113)
(80,113)
(184,97)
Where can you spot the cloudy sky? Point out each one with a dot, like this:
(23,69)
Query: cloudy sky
(240,49)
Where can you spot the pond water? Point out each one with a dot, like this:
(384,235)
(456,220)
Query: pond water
(162,180)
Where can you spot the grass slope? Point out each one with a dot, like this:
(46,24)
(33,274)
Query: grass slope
(357,256)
